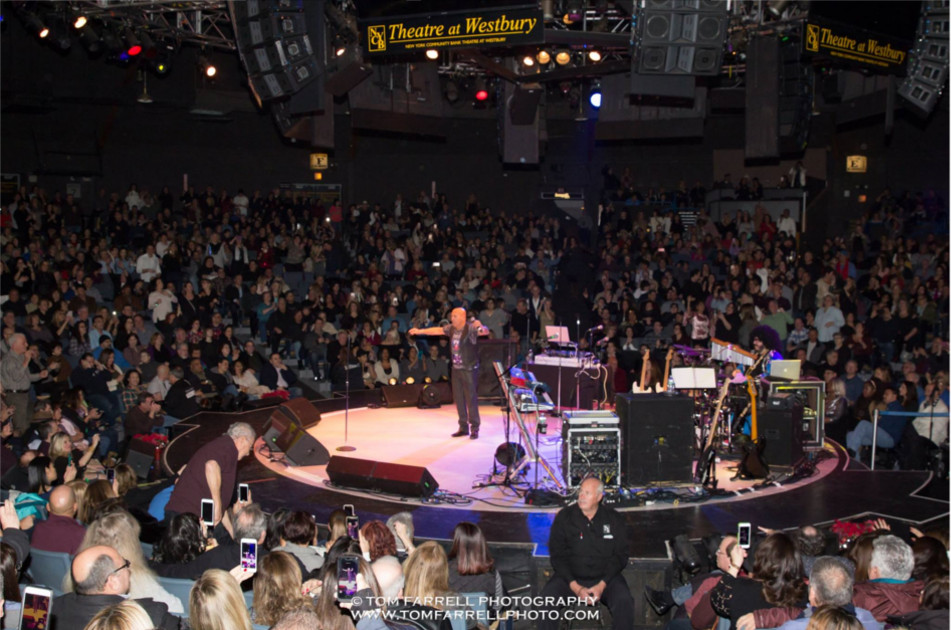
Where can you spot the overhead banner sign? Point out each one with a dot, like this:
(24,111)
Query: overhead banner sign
(478,29)
(859,48)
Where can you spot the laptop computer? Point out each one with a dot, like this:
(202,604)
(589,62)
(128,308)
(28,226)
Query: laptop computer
(790,370)
(557,334)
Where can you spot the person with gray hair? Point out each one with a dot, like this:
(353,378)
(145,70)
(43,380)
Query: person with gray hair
(401,524)
(389,575)
(212,473)
(830,584)
(248,522)
(16,379)
(181,400)
(890,589)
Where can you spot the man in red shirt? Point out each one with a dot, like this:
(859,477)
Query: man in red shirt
(61,532)
(212,473)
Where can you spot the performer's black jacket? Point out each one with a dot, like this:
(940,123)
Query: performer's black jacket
(588,551)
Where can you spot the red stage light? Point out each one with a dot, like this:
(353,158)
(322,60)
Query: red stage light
(481,95)
(134,50)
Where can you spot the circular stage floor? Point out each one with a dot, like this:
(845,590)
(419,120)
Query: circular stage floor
(421,437)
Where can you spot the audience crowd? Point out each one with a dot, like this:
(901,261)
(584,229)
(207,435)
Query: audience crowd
(124,313)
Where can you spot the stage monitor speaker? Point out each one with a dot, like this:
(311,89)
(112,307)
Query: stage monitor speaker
(140,456)
(782,429)
(401,395)
(366,474)
(657,438)
(286,431)
(433,395)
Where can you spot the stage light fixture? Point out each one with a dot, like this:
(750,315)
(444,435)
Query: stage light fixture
(110,39)
(594,97)
(132,44)
(562,58)
(481,93)
(149,50)
(543,57)
(432,54)
(573,11)
(80,21)
(528,61)
(89,38)
(594,56)
(451,91)
(35,25)
(339,46)
(410,380)
(207,68)
(392,380)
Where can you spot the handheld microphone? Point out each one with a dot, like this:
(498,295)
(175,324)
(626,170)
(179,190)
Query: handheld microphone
(598,327)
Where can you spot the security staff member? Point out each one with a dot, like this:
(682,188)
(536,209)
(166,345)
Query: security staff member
(589,548)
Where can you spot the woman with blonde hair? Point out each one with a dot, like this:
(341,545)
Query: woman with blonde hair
(833,618)
(278,588)
(79,487)
(97,493)
(120,531)
(127,615)
(427,577)
(216,603)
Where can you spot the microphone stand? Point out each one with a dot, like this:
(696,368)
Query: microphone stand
(346,408)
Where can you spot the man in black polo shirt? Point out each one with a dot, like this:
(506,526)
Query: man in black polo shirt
(463,337)
(589,549)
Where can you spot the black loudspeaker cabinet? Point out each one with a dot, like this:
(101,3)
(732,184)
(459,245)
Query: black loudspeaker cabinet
(401,395)
(782,429)
(367,474)
(657,438)
(286,431)
(140,456)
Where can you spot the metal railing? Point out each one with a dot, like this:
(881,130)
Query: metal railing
(932,416)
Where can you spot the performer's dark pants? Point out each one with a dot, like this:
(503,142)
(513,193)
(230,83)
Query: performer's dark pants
(465,393)
(616,596)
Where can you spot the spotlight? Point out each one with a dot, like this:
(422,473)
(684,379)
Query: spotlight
(432,54)
(80,21)
(148,46)
(594,56)
(410,380)
(110,40)
(451,91)
(132,44)
(35,25)
(528,61)
(573,11)
(339,46)
(481,93)
(543,57)
(562,58)
(90,39)
(392,380)
(595,97)
(207,68)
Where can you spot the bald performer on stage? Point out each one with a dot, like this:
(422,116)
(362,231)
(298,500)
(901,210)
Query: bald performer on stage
(463,335)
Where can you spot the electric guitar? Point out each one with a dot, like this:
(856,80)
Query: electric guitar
(639,387)
(708,455)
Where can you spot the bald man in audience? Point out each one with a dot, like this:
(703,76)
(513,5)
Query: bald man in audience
(61,531)
(101,578)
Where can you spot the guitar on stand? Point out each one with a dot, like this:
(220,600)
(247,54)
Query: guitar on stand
(753,466)
(706,465)
(646,368)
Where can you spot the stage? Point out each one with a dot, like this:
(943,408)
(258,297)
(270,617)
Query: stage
(463,467)
(839,488)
